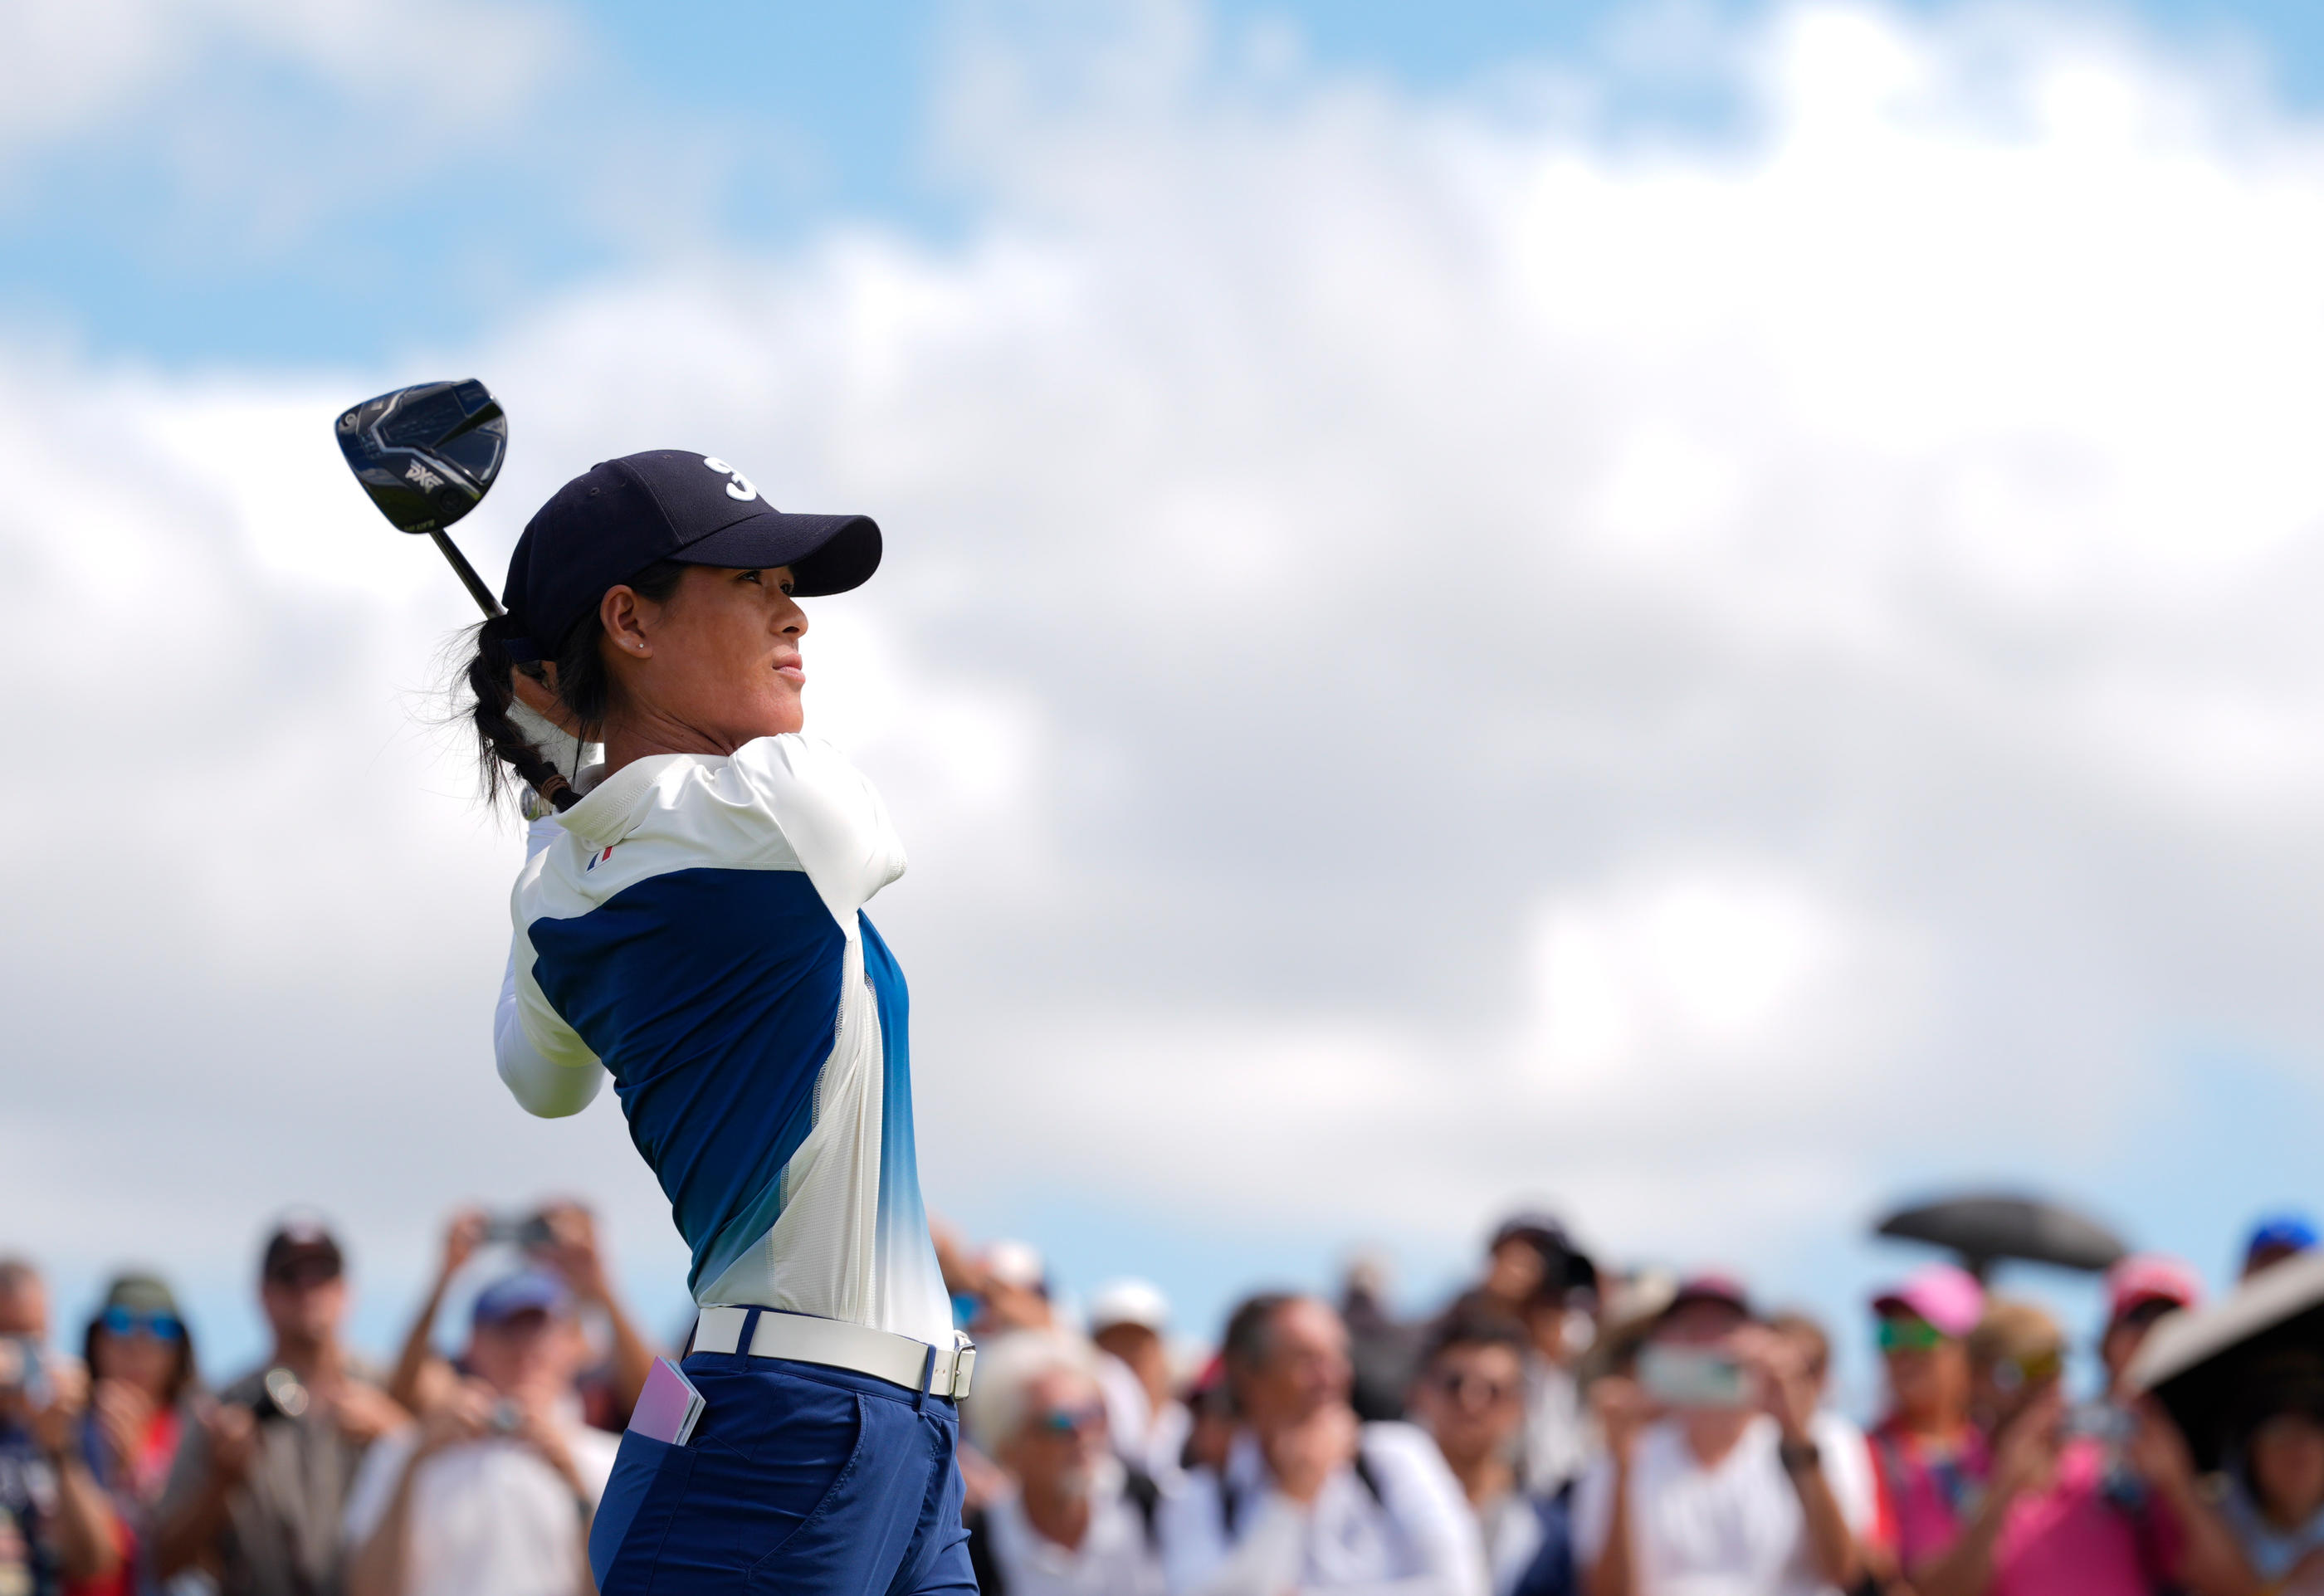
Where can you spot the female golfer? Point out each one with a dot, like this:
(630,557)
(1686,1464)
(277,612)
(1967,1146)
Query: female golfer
(690,923)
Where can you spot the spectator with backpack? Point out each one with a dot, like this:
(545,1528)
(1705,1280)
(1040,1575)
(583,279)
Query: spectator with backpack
(1076,1521)
(1309,1498)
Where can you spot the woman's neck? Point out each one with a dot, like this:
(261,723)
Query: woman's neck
(645,734)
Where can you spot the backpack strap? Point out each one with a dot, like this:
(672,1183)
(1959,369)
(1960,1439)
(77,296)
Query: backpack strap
(980,1559)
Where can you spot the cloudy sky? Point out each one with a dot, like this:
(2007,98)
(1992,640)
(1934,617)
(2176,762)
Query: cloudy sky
(1699,613)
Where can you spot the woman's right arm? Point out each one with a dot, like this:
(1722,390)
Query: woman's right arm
(563,1078)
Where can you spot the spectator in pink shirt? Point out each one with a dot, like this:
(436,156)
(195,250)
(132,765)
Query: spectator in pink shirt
(2035,1518)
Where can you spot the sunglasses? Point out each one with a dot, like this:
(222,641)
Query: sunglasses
(1072,1421)
(125,1321)
(2015,1374)
(1458,1386)
(1901,1335)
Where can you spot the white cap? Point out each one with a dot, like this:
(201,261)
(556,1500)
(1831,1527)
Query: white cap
(1015,1263)
(1129,1302)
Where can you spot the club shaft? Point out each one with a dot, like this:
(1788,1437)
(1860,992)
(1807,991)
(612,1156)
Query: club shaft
(467,574)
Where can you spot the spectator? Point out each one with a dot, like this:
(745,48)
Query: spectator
(1128,1321)
(1558,1443)
(56,1525)
(23,1302)
(1529,1253)
(2037,1518)
(1076,1521)
(491,1493)
(2140,1290)
(1382,1349)
(2275,1238)
(1927,1454)
(1012,1288)
(1470,1398)
(139,1356)
(562,1237)
(1727,1490)
(2274,1501)
(1310,1498)
(1846,1450)
(260,1484)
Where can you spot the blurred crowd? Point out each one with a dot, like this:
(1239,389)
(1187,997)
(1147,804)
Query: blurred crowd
(1559,1427)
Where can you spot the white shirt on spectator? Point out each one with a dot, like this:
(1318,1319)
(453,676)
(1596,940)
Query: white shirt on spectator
(488,1518)
(1513,1536)
(1145,1439)
(1735,1529)
(1416,1538)
(1116,1556)
(1559,1439)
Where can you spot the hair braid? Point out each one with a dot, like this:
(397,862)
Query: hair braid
(502,745)
(585,689)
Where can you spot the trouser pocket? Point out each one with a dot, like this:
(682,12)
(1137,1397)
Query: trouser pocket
(643,1495)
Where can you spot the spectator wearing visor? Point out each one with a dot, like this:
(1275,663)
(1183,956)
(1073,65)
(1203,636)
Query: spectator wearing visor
(1470,1397)
(1129,1322)
(1714,1476)
(2038,1519)
(1928,1456)
(2276,1237)
(1073,1519)
(2140,1291)
(259,1486)
(140,1357)
(1309,1497)
(492,1493)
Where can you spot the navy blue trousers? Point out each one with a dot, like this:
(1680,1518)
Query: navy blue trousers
(809,1481)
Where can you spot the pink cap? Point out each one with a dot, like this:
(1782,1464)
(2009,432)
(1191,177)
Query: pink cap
(1946,1295)
(2150,1277)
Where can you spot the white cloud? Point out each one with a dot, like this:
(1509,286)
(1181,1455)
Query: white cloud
(1426,656)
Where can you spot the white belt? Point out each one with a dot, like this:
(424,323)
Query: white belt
(837,1344)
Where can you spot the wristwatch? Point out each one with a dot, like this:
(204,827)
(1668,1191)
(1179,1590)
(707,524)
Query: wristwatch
(1798,1456)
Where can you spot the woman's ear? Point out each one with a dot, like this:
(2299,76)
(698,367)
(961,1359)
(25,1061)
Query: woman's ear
(621,611)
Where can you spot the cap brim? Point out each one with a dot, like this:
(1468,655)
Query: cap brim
(826,553)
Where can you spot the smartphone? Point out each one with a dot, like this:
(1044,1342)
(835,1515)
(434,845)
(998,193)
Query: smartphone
(1693,1377)
(528,1231)
(23,1366)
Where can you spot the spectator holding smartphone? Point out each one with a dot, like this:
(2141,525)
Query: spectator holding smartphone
(492,1493)
(2036,1519)
(1714,1474)
(260,1484)
(562,1237)
(139,1356)
(57,1528)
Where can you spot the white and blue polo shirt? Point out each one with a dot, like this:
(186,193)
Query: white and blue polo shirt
(694,929)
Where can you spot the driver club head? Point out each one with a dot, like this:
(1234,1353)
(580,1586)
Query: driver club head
(427,453)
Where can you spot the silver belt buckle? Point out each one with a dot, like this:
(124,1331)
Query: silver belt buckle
(963,1364)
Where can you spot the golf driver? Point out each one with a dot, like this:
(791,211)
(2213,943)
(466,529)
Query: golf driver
(427,455)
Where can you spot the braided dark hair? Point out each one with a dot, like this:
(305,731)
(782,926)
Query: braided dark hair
(583,686)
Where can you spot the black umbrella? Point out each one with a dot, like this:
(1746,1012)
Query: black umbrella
(1984,1230)
(2208,1365)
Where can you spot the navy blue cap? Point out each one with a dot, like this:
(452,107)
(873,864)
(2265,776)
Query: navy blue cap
(526,1291)
(620,516)
(2280,1233)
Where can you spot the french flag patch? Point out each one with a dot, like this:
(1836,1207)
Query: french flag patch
(596,860)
